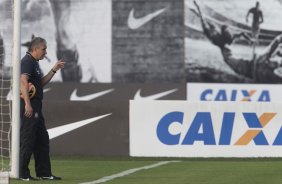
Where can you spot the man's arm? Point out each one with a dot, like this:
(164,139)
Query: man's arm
(247,16)
(24,90)
(261,18)
(238,35)
(59,65)
(200,13)
(205,24)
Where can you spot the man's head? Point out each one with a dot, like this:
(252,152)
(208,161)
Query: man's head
(257,5)
(224,29)
(38,48)
(226,34)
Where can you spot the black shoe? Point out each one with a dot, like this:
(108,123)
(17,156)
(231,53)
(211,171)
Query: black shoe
(50,177)
(30,178)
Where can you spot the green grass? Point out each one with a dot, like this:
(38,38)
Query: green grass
(189,171)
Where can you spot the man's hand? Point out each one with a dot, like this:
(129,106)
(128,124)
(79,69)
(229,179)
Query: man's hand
(28,111)
(59,65)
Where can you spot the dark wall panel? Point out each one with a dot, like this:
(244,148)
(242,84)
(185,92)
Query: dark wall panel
(147,43)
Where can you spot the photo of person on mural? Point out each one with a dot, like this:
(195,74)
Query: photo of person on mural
(77,34)
(236,61)
(257,19)
(66,48)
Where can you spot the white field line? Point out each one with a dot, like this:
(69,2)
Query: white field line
(127,172)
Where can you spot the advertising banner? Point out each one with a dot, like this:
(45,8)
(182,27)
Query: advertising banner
(93,119)
(234,92)
(205,129)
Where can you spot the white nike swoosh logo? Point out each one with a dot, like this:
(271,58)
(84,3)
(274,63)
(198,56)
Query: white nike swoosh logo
(60,130)
(74,96)
(10,95)
(135,23)
(137,95)
(46,90)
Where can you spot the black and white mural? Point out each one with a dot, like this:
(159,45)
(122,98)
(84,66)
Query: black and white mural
(152,41)
(105,40)
(77,31)
(233,41)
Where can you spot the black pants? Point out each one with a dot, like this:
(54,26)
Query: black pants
(34,139)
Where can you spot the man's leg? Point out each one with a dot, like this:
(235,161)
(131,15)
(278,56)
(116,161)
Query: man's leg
(255,33)
(239,65)
(41,150)
(247,37)
(66,49)
(27,139)
(255,30)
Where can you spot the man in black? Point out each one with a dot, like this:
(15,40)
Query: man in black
(34,138)
(257,19)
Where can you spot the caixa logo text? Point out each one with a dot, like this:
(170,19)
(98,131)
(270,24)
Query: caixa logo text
(235,95)
(201,129)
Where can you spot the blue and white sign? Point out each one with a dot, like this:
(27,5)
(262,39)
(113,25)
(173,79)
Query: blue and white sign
(205,129)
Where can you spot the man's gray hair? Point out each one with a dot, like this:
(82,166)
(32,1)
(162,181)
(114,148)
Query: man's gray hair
(36,42)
